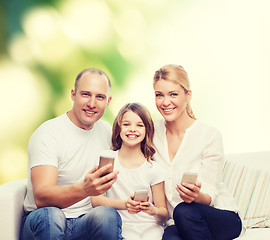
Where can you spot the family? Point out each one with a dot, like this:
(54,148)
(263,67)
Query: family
(69,197)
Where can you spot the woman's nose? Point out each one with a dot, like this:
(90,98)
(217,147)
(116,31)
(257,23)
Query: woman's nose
(166,101)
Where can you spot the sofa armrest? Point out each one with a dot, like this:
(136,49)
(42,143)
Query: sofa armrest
(12,195)
(247,177)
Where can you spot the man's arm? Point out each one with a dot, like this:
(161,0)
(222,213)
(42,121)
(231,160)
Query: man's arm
(47,193)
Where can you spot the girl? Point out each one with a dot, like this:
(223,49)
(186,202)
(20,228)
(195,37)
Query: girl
(132,136)
(203,210)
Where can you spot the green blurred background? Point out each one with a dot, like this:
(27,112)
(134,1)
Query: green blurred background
(223,45)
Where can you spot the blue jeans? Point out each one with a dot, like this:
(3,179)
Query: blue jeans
(196,221)
(50,223)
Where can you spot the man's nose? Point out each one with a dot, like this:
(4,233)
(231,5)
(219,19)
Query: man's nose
(92,102)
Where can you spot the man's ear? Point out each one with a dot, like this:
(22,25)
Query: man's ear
(73,94)
(109,100)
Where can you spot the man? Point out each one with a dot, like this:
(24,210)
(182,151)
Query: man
(61,152)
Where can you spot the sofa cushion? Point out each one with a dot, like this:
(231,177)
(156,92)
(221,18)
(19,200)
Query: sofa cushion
(247,177)
(11,208)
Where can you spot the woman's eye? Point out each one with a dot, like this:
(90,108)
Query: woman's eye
(158,95)
(174,94)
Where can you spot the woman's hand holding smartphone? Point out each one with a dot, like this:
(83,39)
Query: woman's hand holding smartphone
(189,188)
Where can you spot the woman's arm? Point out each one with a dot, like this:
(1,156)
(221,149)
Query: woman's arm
(191,193)
(159,209)
(212,158)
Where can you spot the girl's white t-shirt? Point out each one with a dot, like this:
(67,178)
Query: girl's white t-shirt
(130,180)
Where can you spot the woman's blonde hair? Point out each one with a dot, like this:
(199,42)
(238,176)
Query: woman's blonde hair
(177,74)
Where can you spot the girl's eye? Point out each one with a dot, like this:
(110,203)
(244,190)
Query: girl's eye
(140,125)
(125,124)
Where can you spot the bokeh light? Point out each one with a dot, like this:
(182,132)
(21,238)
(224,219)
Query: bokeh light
(223,45)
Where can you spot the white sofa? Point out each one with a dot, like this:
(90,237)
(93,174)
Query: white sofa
(247,176)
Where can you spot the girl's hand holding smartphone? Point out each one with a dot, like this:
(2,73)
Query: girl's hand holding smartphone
(133,207)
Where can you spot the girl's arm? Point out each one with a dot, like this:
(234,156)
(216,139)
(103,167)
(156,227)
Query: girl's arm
(159,209)
(101,200)
(130,205)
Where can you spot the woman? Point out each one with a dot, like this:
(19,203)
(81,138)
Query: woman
(203,210)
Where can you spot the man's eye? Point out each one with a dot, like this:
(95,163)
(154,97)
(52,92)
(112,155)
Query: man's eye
(85,94)
(101,97)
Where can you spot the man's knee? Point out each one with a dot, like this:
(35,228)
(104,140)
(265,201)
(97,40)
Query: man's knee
(46,219)
(105,214)
(105,222)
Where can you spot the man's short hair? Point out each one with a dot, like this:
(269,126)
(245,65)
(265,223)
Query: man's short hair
(93,71)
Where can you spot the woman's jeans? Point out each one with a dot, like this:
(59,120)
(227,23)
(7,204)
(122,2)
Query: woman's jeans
(196,221)
(50,223)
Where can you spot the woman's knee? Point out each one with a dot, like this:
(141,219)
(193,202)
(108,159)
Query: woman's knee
(184,212)
(171,233)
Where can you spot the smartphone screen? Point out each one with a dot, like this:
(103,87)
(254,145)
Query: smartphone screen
(105,159)
(189,178)
(141,195)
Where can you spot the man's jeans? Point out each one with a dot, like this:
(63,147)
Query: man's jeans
(50,223)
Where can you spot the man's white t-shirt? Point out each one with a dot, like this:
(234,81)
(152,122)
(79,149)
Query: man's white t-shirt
(73,151)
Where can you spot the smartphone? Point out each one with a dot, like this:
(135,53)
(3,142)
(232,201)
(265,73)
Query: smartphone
(141,195)
(105,158)
(189,178)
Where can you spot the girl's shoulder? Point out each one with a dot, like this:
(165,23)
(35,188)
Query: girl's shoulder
(153,164)
(155,170)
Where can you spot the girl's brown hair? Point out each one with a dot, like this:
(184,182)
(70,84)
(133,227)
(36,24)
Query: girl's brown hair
(177,74)
(146,145)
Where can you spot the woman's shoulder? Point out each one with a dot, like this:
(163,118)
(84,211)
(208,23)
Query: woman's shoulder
(159,126)
(203,127)
(159,123)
